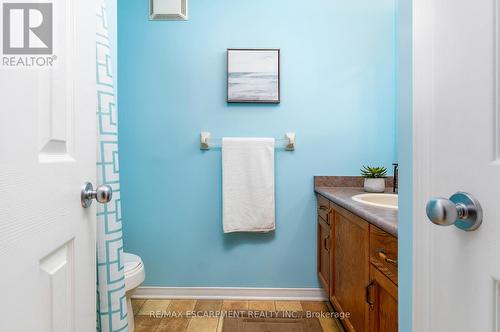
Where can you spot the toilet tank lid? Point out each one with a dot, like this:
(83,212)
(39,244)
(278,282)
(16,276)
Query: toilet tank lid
(131,261)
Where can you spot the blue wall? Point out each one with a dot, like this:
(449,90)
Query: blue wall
(405,143)
(338,95)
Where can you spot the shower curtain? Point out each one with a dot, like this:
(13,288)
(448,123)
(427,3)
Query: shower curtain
(111,301)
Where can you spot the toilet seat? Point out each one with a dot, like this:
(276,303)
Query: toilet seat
(134,271)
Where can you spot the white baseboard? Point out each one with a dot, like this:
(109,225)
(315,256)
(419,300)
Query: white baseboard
(231,293)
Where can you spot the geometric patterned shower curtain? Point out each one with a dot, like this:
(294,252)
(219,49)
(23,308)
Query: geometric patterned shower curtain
(111,301)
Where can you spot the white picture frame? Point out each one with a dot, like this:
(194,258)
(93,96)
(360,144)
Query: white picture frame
(253,76)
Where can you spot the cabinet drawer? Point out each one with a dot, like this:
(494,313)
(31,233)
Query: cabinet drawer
(384,253)
(324,208)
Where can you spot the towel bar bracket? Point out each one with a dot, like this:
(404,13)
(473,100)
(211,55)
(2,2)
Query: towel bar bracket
(291,141)
(205,136)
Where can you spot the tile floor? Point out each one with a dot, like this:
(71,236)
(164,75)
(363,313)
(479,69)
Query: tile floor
(177,315)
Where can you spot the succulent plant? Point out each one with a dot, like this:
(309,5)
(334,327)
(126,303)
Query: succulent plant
(373,172)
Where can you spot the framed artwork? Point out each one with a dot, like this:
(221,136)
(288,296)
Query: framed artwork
(253,76)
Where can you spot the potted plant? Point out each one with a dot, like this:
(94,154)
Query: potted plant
(374,178)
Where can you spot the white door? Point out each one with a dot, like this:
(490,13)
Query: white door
(456,148)
(47,151)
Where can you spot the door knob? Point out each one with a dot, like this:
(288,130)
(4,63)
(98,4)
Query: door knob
(102,194)
(461,210)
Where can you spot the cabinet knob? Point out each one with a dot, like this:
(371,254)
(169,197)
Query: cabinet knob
(383,256)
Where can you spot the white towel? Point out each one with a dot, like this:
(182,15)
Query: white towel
(248,185)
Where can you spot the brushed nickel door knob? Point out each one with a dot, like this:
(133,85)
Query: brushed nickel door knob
(102,194)
(461,210)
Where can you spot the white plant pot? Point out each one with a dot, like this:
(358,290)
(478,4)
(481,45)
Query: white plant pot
(375,185)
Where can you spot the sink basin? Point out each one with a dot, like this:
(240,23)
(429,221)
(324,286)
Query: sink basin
(389,201)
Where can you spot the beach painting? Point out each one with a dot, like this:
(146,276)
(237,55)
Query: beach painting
(253,76)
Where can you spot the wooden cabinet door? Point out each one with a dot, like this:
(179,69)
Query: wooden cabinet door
(324,247)
(351,268)
(383,296)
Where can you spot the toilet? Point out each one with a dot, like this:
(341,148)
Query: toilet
(134,277)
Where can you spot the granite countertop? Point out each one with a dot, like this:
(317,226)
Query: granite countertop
(384,218)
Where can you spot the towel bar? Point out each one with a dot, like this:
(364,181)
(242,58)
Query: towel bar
(206,142)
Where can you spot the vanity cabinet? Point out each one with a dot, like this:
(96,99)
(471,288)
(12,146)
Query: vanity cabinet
(350,271)
(357,266)
(383,289)
(324,242)
(383,299)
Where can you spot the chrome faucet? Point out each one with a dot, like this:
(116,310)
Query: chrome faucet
(395,182)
